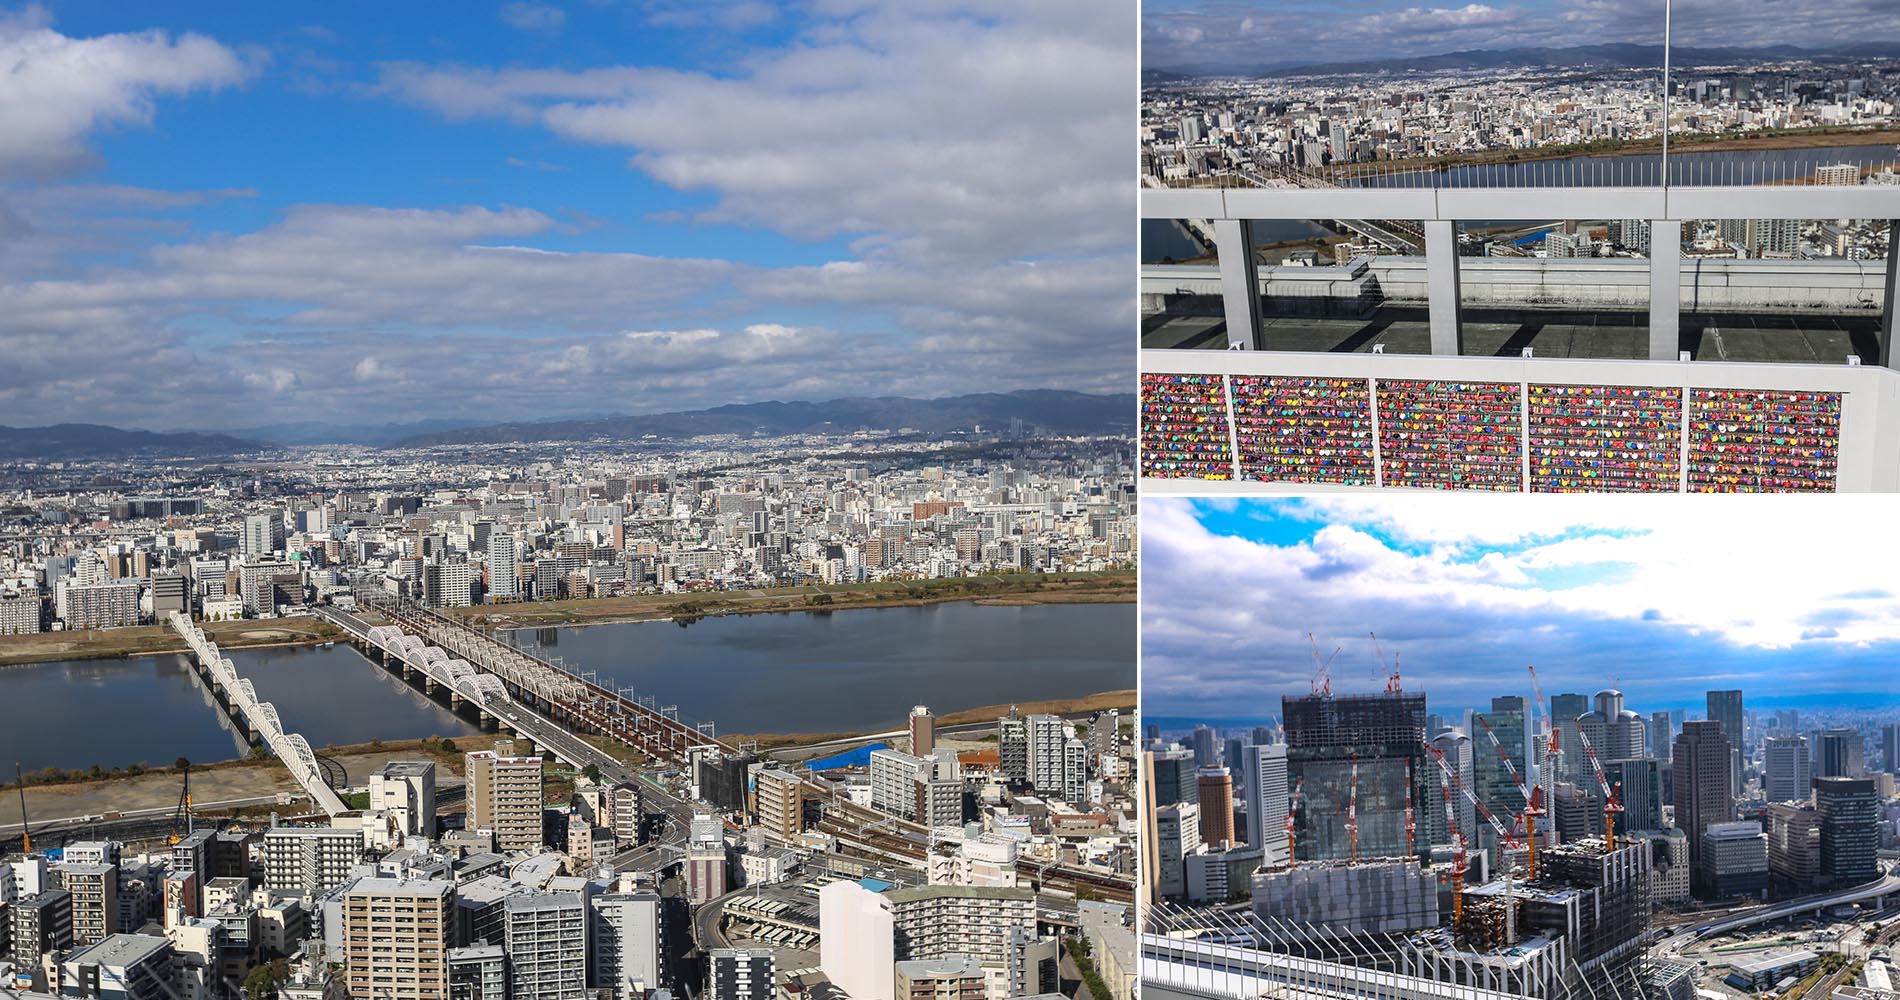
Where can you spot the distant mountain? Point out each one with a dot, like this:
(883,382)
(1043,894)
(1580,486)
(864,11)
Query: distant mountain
(1614,56)
(317,432)
(71,441)
(1059,411)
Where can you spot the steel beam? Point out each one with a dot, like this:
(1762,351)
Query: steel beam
(1239,283)
(1665,288)
(1441,287)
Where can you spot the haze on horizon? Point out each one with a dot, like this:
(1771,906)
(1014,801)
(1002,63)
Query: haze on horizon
(1227,35)
(219,216)
(1777,597)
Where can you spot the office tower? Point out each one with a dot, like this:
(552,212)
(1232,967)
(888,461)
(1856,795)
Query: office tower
(1261,736)
(781,801)
(1788,720)
(1382,738)
(1217,805)
(1012,746)
(501,566)
(1461,756)
(706,859)
(958,977)
(545,935)
(1785,771)
(504,795)
(95,901)
(1230,755)
(1489,779)
(1662,735)
(310,860)
(740,974)
(1725,707)
(406,790)
(1732,860)
(1838,753)
(1703,796)
(1794,848)
(922,731)
(478,972)
(263,535)
(1206,749)
(121,967)
(1174,777)
(624,935)
(1264,771)
(1638,784)
(39,923)
(1890,747)
(1850,829)
(1615,732)
(857,938)
(1565,710)
(1177,834)
(396,938)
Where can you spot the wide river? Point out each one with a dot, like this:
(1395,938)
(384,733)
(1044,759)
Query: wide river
(793,672)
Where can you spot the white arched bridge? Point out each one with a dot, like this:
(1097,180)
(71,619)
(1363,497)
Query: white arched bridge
(261,716)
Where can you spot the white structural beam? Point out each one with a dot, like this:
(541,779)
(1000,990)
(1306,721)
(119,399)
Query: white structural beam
(1441,281)
(1774,201)
(1665,288)
(1239,283)
(1888,311)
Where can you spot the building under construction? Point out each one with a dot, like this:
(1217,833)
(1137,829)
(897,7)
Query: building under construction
(1340,898)
(1360,760)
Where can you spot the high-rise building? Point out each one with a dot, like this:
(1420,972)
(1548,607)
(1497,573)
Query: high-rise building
(1217,806)
(1838,753)
(740,974)
(1732,860)
(923,739)
(504,795)
(263,535)
(936,921)
(95,901)
(1785,772)
(1849,809)
(501,566)
(1206,746)
(1460,757)
(1565,710)
(1638,785)
(958,977)
(39,923)
(857,940)
(1050,769)
(1012,746)
(1703,795)
(1725,707)
(545,935)
(1177,834)
(1263,769)
(396,938)
(478,972)
(707,859)
(406,790)
(1890,747)
(1490,779)
(1329,738)
(1615,732)
(624,944)
(781,801)
(308,859)
(1662,735)
(1794,848)
(113,604)
(121,967)
(1174,777)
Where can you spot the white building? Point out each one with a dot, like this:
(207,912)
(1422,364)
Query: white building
(857,940)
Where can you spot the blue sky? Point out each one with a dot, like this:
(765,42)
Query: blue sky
(1190,34)
(1793,601)
(216,215)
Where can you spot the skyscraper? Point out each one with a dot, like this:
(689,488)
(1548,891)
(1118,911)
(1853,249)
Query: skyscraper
(1565,710)
(501,566)
(1206,747)
(1725,707)
(1492,783)
(1838,753)
(396,938)
(1264,771)
(263,535)
(1850,835)
(504,795)
(1703,795)
(1461,757)
(1217,805)
(923,731)
(1890,747)
(1328,738)
(1785,770)
(1174,777)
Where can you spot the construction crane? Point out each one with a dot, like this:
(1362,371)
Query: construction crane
(1611,805)
(1293,804)
(182,815)
(1322,683)
(26,836)
(1553,751)
(1506,841)
(1532,806)
(1352,812)
(1459,864)
(1392,683)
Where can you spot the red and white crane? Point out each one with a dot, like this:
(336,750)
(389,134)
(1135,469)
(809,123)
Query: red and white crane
(1322,683)
(1611,805)
(1533,807)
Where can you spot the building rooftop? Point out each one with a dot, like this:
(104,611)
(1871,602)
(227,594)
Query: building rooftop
(121,950)
(950,966)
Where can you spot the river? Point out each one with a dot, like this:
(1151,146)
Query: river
(791,672)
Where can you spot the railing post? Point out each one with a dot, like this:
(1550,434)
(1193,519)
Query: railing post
(1441,286)
(1884,336)
(1665,288)
(1239,283)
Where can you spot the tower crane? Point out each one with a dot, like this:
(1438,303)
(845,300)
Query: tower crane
(1322,683)
(1392,682)
(1459,864)
(1553,751)
(1506,841)
(1611,805)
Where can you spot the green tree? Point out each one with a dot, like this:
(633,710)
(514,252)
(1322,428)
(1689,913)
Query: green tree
(592,773)
(448,745)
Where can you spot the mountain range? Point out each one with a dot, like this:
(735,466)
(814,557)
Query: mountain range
(1613,56)
(72,441)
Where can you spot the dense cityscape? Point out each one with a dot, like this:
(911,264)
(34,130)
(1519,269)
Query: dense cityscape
(588,841)
(1371,814)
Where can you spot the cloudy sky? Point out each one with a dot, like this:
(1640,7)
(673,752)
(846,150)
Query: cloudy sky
(1187,34)
(1793,601)
(216,215)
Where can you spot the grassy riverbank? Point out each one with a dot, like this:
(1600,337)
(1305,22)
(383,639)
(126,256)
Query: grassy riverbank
(146,640)
(1004,589)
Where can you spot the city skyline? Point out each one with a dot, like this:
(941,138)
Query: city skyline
(222,203)
(1592,594)
(1235,35)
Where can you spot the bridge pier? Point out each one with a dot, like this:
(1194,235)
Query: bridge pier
(455,700)
(428,684)
(485,719)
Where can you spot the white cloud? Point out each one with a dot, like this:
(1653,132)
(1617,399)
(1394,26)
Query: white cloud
(60,90)
(534,17)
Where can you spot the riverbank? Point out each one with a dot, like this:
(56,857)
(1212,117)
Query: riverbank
(1765,141)
(1099,702)
(1113,587)
(153,640)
